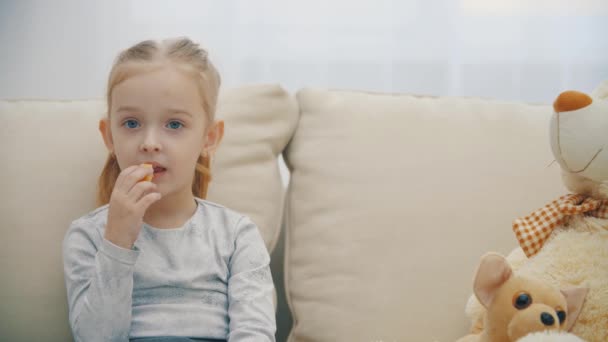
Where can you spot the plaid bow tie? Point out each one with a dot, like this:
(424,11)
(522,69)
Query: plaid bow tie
(533,230)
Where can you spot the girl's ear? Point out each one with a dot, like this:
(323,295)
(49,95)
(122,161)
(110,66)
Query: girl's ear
(213,138)
(106,134)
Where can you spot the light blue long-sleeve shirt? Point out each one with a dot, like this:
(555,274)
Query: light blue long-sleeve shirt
(209,278)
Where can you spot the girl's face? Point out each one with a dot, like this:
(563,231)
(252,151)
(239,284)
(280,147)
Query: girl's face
(157,117)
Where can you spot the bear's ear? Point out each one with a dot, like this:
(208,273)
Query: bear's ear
(571,100)
(492,273)
(575,297)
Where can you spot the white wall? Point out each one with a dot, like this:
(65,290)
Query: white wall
(508,49)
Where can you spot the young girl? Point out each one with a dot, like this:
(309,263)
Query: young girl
(156,261)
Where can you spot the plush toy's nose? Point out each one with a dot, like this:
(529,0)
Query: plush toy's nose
(547,319)
(571,100)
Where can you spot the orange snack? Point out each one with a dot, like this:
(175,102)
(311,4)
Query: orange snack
(149,177)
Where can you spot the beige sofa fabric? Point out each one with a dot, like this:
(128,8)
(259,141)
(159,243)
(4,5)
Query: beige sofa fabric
(393,199)
(260,121)
(52,154)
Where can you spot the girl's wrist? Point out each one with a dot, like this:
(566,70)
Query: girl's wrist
(119,241)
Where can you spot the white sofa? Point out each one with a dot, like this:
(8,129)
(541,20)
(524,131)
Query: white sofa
(392,199)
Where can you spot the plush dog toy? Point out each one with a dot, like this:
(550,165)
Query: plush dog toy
(550,336)
(566,242)
(517,306)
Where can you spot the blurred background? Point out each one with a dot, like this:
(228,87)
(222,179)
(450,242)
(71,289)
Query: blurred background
(506,49)
(514,50)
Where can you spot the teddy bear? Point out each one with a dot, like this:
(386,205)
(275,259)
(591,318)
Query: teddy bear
(517,306)
(566,242)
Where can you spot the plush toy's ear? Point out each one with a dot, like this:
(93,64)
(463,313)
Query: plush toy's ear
(571,100)
(601,92)
(492,273)
(575,297)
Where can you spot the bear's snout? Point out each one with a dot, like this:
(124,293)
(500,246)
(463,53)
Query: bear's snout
(547,319)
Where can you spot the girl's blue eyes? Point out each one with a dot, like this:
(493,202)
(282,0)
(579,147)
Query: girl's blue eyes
(175,125)
(131,124)
(134,124)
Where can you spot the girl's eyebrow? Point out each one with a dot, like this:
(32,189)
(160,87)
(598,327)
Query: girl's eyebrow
(170,110)
(127,109)
(178,111)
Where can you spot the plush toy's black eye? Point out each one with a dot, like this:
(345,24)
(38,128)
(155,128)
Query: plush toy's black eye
(562,316)
(522,301)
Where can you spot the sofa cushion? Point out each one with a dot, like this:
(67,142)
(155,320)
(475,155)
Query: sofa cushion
(393,199)
(259,122)
(53,154)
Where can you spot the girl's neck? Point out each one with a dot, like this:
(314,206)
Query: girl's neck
(171,211)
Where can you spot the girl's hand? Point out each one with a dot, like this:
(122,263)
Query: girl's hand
(130,199)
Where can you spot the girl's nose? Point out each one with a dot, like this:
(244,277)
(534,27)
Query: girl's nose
(146,147)
(150,144)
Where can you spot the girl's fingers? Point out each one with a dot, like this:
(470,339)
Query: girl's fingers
(123,174)
(134,177)
(147,200)
(140,189)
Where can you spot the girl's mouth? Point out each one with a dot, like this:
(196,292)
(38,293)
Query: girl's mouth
(159,170)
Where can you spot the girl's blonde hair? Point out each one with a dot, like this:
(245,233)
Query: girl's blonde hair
(190,57)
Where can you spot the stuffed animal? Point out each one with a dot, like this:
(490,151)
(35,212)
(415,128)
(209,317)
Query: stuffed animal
(517,306)
(566,242)
(550,336)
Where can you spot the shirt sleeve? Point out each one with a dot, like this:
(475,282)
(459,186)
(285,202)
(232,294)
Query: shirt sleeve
(99,283)
(250,287)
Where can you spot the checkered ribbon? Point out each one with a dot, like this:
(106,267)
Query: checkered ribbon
(533,230)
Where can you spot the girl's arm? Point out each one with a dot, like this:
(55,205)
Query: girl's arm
(250,287)
(99,282)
